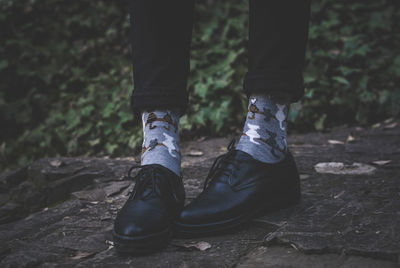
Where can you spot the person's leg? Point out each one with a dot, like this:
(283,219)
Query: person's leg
(260,175)
(160,36)
(277,40)
(161,33)
(278,32)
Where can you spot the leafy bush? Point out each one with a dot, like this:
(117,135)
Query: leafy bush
(353,70)
(66,79)
(65,73)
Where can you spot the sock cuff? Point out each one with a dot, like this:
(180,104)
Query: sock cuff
(155,118)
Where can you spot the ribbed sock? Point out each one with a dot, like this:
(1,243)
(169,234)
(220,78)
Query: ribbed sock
(264,132)
(160,143)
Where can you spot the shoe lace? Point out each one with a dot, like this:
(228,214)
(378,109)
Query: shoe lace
(219,164)
(145,178)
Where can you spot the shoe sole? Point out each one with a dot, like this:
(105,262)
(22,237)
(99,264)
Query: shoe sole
(142,245)
(230,225)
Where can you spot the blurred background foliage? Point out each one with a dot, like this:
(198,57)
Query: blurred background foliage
(66,74)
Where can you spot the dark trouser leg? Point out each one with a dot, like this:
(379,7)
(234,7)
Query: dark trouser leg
(160,35)
(277,40)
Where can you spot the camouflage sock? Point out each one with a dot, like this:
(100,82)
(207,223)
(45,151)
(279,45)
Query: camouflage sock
(264,133)
(160,140)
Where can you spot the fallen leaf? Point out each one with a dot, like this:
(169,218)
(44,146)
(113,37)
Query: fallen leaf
(350,138)
(55,163)
(195,153)
(111,243)
(201,245)
(335,142)
(339,194)
(381,162)
(376,125)
(390,126)
(389,120)
(128,158)
(342,169)
(109,201)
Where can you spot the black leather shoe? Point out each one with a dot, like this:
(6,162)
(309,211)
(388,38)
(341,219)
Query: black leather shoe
(143,225)
(237,189)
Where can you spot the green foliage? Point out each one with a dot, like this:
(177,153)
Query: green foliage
(218,64)
(65,79)
(352,72)
(65,73)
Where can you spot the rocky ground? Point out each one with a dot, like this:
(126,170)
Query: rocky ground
(60,211)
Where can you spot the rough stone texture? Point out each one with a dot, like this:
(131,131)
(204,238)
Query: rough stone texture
(353,214)
(292,258)
(48,181)
(59,212)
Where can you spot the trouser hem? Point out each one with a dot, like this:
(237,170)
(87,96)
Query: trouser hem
(154,99)
(287,88)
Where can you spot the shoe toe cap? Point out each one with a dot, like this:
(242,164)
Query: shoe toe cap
(130,230)
(141,224)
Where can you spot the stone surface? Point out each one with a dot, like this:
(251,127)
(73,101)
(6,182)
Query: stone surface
(292,258)
(48,181)
(352,214)
(60,211)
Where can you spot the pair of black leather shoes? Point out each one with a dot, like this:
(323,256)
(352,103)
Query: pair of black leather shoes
(237,189)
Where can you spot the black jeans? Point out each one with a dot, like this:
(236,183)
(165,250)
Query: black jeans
(161,36)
